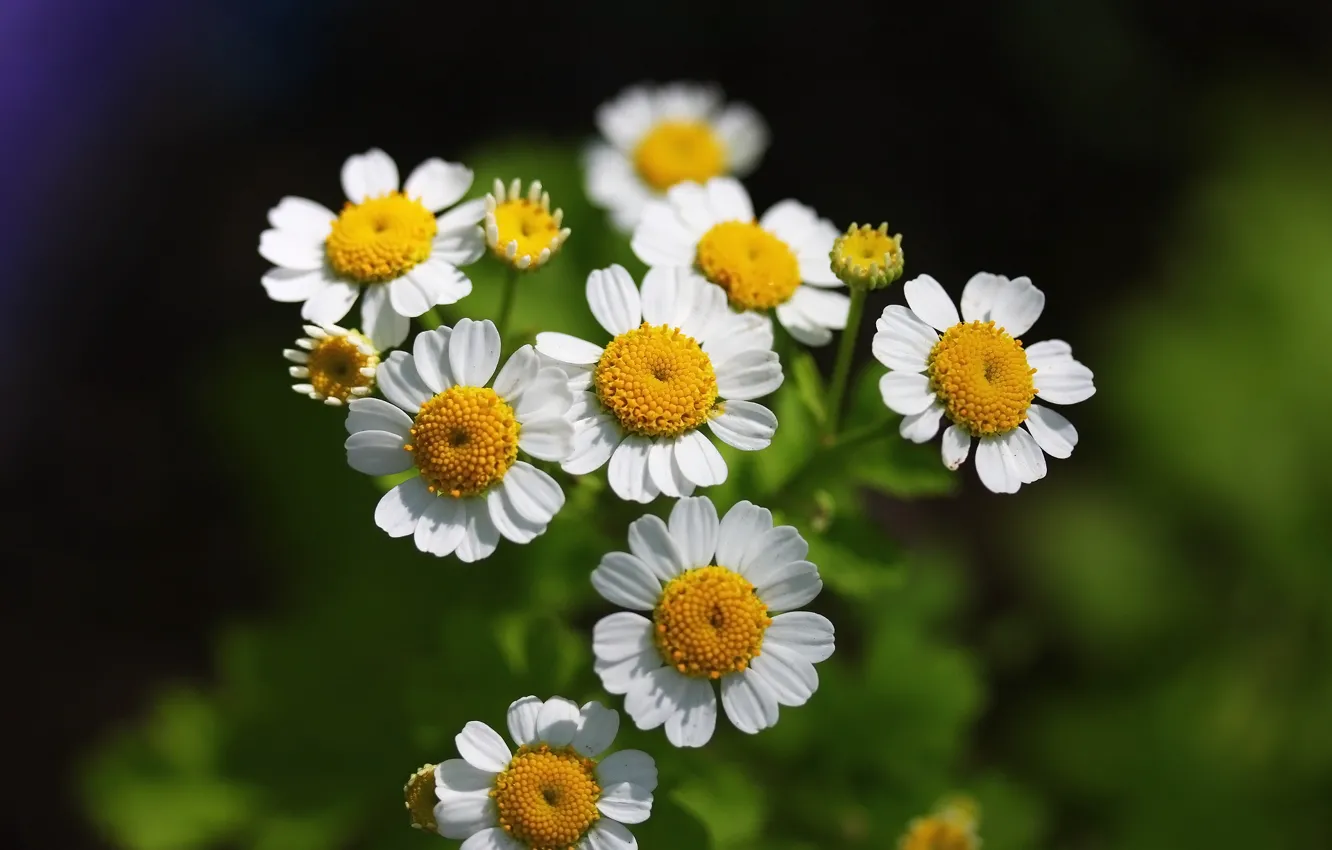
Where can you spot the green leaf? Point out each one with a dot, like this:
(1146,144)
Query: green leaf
(809,384)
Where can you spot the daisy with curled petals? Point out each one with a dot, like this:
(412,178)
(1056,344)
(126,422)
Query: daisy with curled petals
(779,262)
(463,438)
(678,360)
(387,240)
(980,376)
(333,364)
(712,590)
(658,136)
(554,792)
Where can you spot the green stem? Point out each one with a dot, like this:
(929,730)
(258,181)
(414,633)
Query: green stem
(430,319)
(507,299)
(845,354)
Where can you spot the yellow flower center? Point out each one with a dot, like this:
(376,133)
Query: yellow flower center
(675,151)
(547,798)
(867,254)
(338,365)
(982,378)
(420,794)
(710,622)
(936,833)
(757,270)
(464,440)
(656,381)
(380,239)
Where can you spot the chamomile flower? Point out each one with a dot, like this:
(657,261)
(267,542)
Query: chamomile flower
(386,241)
(952,826)
(657,136)
(333,364)
(712,590)
(520,228)
(554,791)
(980,376)
(678,359)
(779,262)
(463,439)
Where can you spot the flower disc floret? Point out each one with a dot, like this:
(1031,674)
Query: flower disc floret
(656,381)
(380,239)
(547,797)
(757,270)
(464,440)
(981,376)
(709,622)
(675,151)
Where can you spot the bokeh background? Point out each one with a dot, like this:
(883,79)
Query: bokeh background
(209,645)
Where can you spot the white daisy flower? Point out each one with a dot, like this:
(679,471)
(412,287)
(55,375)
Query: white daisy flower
(656,137)
(712,589)
(385,240)
(333,364)
(521,230)
(779,261)
(979,374)
(553,792)
(463,438)
(678,359)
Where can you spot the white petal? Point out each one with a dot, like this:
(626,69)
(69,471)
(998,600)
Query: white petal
(906,392)
(491,839)
(695,717)
(826,308)
(699,459)
(789,220)
(401,383)
(522,720)
(748,375)
(770,551)
(328,305)
(430,356)
(730,334)
(633,766)
(550,438)
(1053,433)
(373,414)
(903,341)
(625,119)
(921,427)
(597,726)
(997,476)
(669,295)
(369,175)
(459,248)
(793,679)
(481,537)
(802,327)
(808,634)
(694,525)
(594,441)
(568,349)
(291,249)
(511,524)
(662,239)
(460,815)
(750,704)
(517,373)
(956,444)
(302,216)
(625,802)
(432,282)
(655,697)
(1017,306)
(377,453)
(662,469)
(787,587)
(558,722)
(928,300)
(652,544)
(462,218)
(401,508)
(628,473)
(744,136)
(744,523)
(441,528)
(385,326)
(292,285)
(744,425)
(978,296)
(1059,378)
(547,395)
(729,200)
(609,834)
(535,494)
(474,350)
(437,184)
(461,777)
(1021,450)
(625,580)
(613,298)
(622,635)
(691,204)
(483,747)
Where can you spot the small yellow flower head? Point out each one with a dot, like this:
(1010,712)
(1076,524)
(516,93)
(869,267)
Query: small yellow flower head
(521,230)
(420,794)
(952,826)
(333,364)
(867,257)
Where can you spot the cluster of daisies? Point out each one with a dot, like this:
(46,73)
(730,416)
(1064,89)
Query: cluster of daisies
(687,357)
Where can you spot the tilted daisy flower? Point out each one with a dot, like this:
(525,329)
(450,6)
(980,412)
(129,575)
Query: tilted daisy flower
(980,376)
(521,230)
(654,137)
(463,438)
(779,262)
(712,589)
(678,359)
(333,364)
(554,792)
(388,241)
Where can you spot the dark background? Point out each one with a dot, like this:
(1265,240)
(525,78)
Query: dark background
(144,141)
